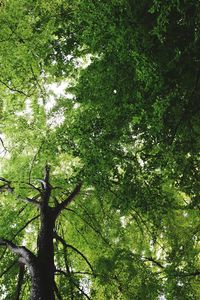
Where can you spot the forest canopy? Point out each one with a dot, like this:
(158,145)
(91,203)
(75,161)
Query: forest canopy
(99,149)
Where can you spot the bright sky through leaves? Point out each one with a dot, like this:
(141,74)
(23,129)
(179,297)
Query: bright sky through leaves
(103,98)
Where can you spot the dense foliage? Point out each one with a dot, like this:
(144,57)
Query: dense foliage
(106,93)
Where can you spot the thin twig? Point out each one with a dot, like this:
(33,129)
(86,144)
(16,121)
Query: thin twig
(27,223)
(76,285)
(4,147)
(13,89)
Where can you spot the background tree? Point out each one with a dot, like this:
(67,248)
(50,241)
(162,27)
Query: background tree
(126,127)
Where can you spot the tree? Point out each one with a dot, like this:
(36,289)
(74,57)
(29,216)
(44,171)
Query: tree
(41,266)
(126,127)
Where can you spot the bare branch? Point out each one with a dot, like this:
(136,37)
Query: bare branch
(22,251)
(61,272)
(67,201)
(21,209)
(3,179)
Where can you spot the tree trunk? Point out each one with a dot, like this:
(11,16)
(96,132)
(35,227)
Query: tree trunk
(43,271)
(42,283)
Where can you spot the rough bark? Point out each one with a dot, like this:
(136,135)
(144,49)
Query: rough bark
(43,276)
(42,286)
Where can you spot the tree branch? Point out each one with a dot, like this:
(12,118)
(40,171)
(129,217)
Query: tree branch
(84,273)
(65,245)
(27,223)
(8,268)
(155,262)
(13,89)
(57,291)
(47,173)
(4,147)
(69,273)
(46,186)
(22,251)
(81,290)
(76,285)
(6,185)
(42,90)
(20,281)
(97,231)
(196,273)
(34,187)
(69,277)
(66,202)
(30,200)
